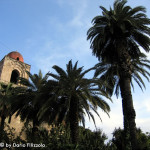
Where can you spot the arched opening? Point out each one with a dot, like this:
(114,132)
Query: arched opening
(17,58)
(14,76)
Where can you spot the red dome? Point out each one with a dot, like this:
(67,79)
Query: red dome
(16,55)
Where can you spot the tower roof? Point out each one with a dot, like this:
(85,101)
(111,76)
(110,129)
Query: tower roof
(16,55)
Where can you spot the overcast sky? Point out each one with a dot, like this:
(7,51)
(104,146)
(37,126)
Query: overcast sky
(52,32)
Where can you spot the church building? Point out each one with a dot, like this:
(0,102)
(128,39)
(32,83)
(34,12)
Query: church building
(12,66)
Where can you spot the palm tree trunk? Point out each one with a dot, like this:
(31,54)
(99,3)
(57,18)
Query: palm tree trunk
(127,143)
(129,112)
(73,117)
(125,87)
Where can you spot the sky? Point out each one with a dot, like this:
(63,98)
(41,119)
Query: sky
(52,32)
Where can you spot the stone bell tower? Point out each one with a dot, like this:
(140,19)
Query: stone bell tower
(12,66)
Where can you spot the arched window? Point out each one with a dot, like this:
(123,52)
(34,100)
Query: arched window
(14,76)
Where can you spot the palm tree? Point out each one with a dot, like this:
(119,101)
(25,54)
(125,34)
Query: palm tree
(116,37)
(110,73)
(24,101)
(6,92)
(75,96)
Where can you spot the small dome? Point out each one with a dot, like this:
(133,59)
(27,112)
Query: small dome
(16,55)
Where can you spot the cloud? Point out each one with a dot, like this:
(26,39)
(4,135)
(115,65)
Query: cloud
(79,11)
(147,105)
(50,54)
(108,124)
(143,124)
(116,117)
(51,50)
(60,2)
(46,63)
(66,38)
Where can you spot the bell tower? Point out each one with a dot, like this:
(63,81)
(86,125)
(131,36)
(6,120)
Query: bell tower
(12,66)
